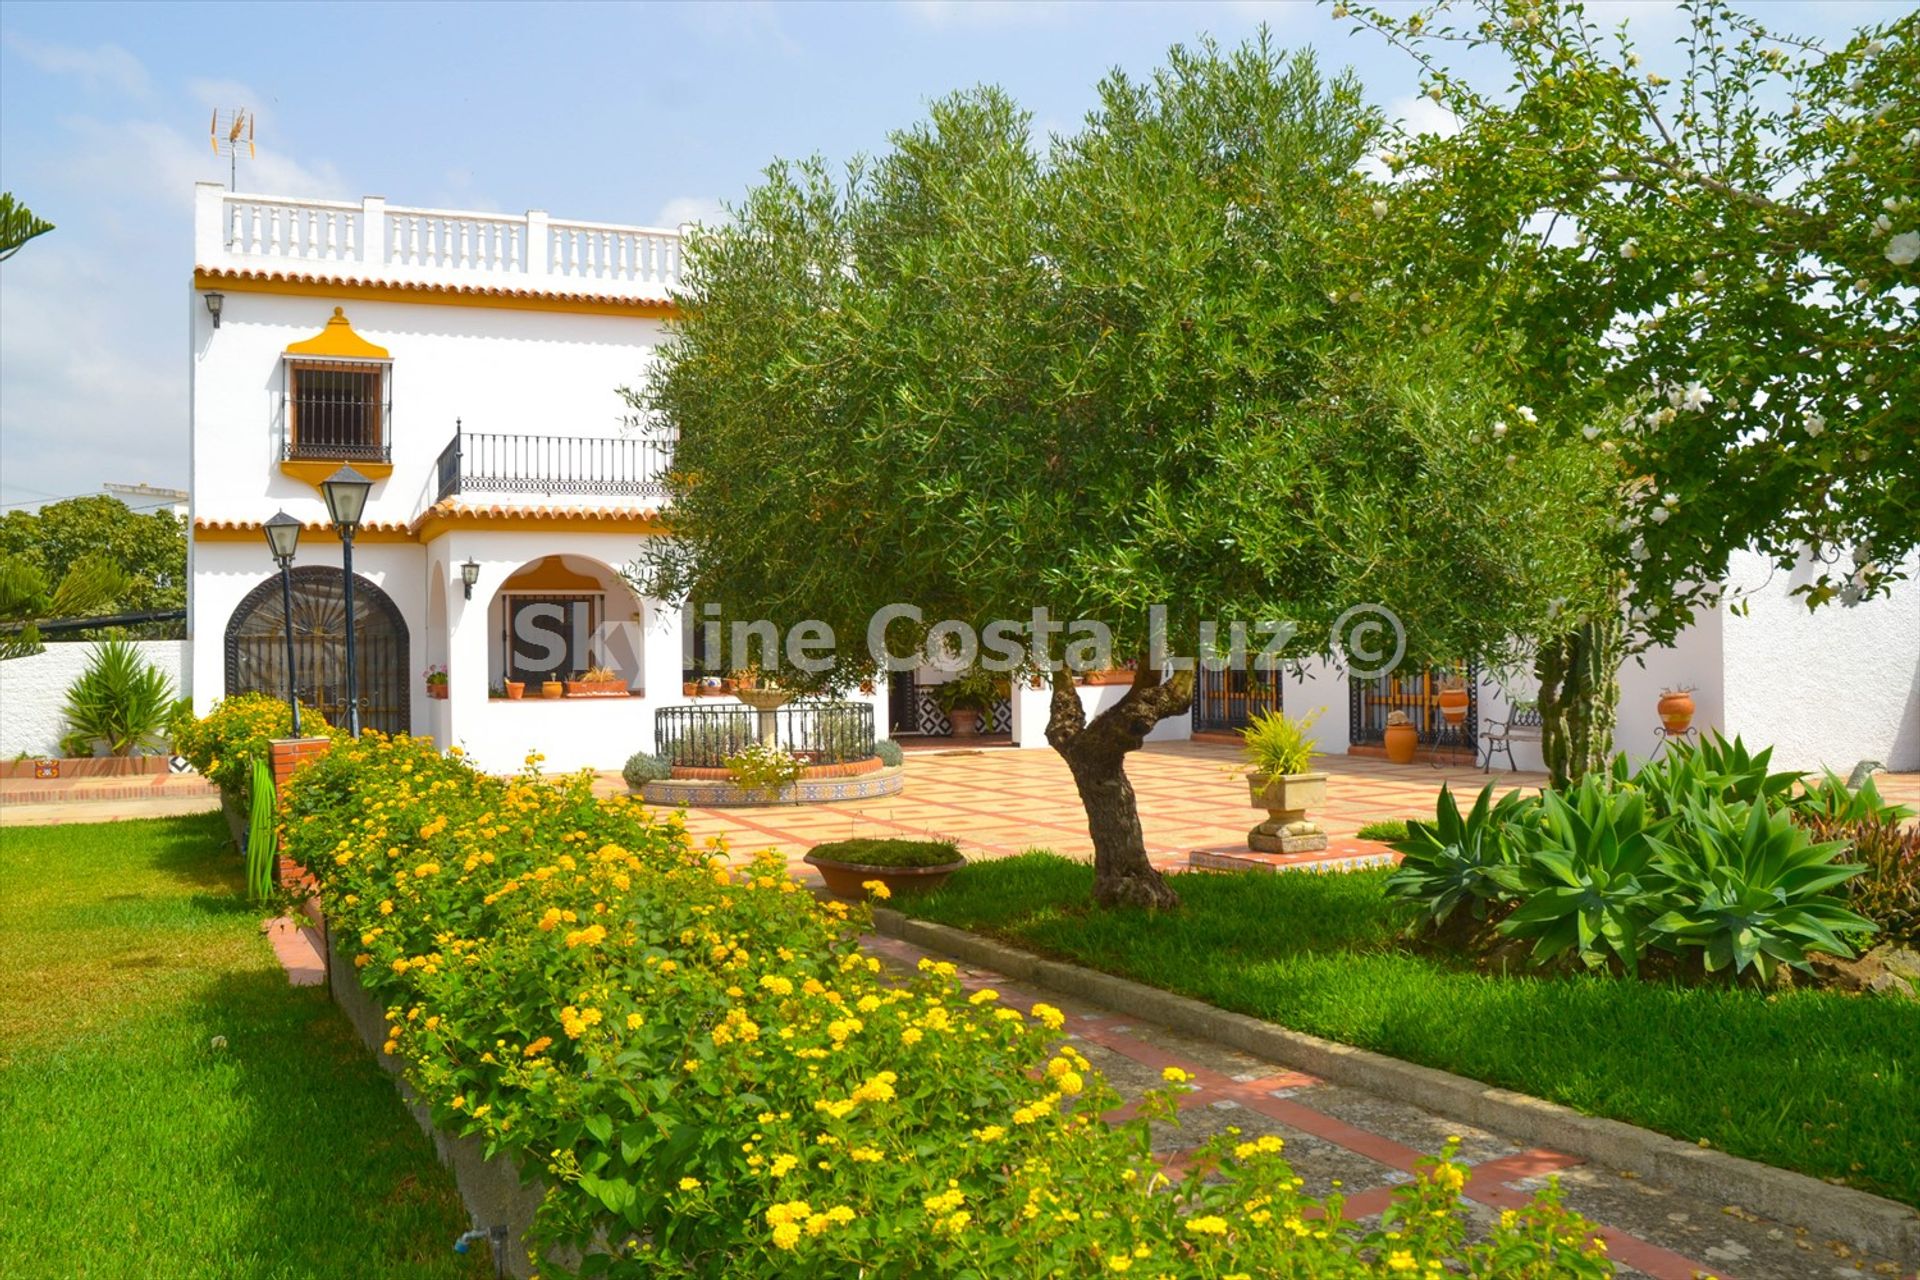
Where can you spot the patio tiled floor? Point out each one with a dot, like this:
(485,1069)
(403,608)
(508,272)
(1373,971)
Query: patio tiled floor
(998,801)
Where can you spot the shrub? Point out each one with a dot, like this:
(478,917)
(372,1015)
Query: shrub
(1697,853)
(224,743)
(1276,744)
(1888,891)
(1389,830)
(643,767)
(763,767)
(121,700)
(711,1079)
(1460,861)
(867,852)
(711,738)
(889,752)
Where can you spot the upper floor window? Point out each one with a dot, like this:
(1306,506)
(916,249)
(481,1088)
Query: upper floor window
(336,410)
(338,396)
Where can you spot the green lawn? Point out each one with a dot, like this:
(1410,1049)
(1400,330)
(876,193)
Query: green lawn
(130,1145)
(1826,1084)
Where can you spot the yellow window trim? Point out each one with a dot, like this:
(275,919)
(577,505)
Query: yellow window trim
(338,339)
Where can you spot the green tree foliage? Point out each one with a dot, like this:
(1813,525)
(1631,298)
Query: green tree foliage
(1141,368)
(18,224)
(87,556)
(1704,261)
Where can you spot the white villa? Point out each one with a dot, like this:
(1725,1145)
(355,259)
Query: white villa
(469,364)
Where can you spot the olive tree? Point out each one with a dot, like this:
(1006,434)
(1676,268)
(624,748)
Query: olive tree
(1137,370)
(1703,260)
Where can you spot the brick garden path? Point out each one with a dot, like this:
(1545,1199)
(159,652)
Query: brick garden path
(1363,1145)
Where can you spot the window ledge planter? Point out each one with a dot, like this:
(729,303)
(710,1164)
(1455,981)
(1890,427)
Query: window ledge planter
(1114,676)
(597,689)
(844,879)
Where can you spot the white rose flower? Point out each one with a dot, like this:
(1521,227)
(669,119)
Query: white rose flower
(1526,415)
(1659,515)
(1639,550)
(1876,47)
(1630,248)
(1883,224)
(1696,398)
(1815,424)
(1904,248)
(1379,208)
(1700,276)
(1499,430)
(1911,139)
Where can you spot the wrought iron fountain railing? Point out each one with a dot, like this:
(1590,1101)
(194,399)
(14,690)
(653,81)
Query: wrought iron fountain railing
(816,732)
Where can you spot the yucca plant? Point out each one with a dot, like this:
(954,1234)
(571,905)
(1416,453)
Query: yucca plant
(1457,861)
(1755,890)
(121,699)
(1584,881)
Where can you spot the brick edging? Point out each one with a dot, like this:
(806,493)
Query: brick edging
(1858,1218)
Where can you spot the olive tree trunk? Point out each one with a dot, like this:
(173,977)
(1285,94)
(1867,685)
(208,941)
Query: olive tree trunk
(1579,697)
(1096,754)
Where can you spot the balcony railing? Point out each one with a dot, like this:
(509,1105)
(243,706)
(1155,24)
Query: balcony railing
(372,238)
(554,466)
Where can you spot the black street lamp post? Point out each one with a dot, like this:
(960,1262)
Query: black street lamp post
(346,494)
(283,539)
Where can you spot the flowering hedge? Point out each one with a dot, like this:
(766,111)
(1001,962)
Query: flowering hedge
(712,1079)
(224,743)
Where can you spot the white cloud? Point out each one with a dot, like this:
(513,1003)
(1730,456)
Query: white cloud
(1420,114)
(105,66)
(689,209)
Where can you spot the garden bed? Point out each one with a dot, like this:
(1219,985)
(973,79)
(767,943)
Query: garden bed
(1807,1080)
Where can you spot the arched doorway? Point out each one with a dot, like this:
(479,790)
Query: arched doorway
(257,647)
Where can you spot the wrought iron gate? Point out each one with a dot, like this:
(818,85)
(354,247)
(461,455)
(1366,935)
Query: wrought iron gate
(257,648)
(1418,694)
(1228,700)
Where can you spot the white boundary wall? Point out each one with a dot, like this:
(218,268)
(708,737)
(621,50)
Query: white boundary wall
(33,691)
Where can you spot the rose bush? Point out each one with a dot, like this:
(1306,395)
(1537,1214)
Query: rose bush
(712,1079)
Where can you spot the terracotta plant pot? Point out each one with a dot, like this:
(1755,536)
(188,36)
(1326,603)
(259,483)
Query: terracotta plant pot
(690,689)
(1402,740)
(966,722)
(1453,705)
(844,879)
(1112,675)
(516,690)
(1676,711)
(552,688)
(437,689)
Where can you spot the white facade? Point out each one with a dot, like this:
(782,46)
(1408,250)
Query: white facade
(517,332)
(521,330)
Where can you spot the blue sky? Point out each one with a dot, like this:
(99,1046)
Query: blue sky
(647,114)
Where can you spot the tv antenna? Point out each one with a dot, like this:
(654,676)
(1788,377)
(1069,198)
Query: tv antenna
(229,132)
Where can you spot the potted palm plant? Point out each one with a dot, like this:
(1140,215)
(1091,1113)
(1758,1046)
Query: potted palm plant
(966,698)
(1281,780)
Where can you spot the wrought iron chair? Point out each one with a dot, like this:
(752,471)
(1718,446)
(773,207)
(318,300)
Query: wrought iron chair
(1521,725)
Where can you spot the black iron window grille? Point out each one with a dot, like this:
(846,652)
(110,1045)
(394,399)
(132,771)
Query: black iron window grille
(337,409)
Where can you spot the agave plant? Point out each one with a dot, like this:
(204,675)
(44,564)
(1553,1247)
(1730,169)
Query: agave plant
(1755,890)
(121,699)
(1585,880)
(1461,861)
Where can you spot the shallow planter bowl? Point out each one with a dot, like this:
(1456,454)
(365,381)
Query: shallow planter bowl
(845,878)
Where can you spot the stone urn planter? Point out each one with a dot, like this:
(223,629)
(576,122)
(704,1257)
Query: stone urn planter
(1676,710)
(1401,739)
(1286,798)
(845,879)
(965,721)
